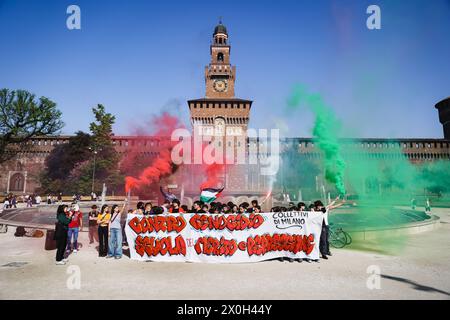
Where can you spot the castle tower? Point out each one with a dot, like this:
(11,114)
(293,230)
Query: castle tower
(220,114)
(444,116)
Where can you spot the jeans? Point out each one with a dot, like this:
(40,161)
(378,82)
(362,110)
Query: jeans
(72,232)
(115,243)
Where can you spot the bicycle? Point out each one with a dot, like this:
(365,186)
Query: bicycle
(338,238)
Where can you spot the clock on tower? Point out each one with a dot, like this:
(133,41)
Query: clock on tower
(220,112)
(220,74)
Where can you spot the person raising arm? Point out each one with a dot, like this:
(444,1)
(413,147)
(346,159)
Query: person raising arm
(115,231)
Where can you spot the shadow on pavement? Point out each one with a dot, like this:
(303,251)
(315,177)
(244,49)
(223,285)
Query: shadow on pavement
(415,284)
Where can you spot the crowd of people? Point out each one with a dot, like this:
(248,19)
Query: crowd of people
(11,200)
(105,224)
(104,227)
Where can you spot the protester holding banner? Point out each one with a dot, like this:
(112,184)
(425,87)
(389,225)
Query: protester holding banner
(166,206)
(221,238)
(254,204)
(140,208)
(148,209)
(324,236)
(175,208)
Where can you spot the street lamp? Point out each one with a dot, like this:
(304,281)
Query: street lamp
(95,151)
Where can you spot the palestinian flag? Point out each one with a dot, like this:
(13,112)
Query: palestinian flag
(208,195)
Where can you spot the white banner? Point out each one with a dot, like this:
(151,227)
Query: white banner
(224,238)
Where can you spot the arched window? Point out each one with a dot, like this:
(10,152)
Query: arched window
(220,57)
(17,181)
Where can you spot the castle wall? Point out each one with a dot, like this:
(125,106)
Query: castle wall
(240,179)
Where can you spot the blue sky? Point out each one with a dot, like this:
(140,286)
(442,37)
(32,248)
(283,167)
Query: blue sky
(141,57)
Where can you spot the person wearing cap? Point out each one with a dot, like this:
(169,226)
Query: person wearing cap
(75,226)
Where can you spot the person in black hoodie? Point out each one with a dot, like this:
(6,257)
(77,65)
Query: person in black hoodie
(63,217)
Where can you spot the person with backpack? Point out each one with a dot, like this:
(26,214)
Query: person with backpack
(115,231)
(63,217)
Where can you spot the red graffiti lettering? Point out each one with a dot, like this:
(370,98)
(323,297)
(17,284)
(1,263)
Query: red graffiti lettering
(260,245)
(154,247)
(212,246)
(158,223)
(135,225)
(231,222)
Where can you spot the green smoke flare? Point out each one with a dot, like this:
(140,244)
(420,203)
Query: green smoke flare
(325,134)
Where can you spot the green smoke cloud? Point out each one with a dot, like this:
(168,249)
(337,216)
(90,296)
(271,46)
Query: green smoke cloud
(325,134)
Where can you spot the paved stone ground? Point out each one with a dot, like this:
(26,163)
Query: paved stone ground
(416,267)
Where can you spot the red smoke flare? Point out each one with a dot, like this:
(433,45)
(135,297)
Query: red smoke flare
(159,167)
(212,175)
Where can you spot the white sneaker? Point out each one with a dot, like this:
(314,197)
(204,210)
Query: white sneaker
(60,263)
(75,250)
(65,260)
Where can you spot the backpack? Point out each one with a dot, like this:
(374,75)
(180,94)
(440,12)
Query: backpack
(20,232)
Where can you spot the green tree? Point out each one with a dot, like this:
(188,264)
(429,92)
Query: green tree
(70,167)
(106,157)
(23,117)
(63,159)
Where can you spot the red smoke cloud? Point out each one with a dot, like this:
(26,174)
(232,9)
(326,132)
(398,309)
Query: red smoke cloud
(213,171)
(159,168)
(162,165)
(142,171)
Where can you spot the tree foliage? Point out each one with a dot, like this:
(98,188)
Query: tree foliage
(107,158)
(23,117)
(64,157)
(70,167)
